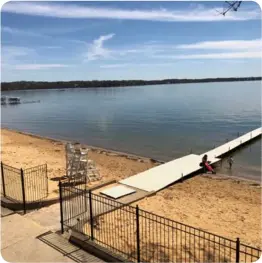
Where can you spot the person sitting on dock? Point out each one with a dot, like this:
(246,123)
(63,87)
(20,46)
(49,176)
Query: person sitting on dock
(206,164)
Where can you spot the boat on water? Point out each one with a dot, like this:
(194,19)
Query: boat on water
(13,100)
(3,100)
(10,100)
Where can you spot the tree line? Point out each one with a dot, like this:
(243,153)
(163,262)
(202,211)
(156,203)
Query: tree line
(27,85)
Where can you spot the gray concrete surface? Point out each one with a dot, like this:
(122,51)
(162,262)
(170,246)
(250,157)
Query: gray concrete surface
(15,228)
(48,217)
(29,239)
(32,250)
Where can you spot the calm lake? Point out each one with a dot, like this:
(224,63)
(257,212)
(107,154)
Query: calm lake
(162,122)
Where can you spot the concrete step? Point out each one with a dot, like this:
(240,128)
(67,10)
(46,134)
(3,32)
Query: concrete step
(61,244)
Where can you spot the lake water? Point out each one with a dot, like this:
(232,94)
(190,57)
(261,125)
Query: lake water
(162,122)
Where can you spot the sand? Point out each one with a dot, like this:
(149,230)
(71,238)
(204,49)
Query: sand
(218,204)
(223,206)
(24,151)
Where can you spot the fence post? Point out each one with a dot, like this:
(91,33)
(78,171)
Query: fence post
(91,215)
(61,207)
(23,189)
(46,179)
(3,178)
(237,250)
(137,234)
(85,196)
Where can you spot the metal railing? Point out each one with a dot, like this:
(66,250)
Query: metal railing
(11,183)
(24,185)
(36,183)
(141,236)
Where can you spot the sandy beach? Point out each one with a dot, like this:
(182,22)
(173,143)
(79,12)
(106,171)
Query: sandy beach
(217,204)
(24,151)
(225,206)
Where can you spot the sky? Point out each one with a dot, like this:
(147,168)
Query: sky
(62,41)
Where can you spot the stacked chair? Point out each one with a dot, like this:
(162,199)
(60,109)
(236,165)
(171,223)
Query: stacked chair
(92,172)
(78,168)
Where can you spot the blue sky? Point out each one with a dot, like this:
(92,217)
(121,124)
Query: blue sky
(53,41)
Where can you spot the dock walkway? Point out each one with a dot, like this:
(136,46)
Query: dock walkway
(163,175)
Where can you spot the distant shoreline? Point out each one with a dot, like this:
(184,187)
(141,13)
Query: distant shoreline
(36,85)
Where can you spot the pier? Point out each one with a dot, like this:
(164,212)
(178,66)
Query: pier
(161,176)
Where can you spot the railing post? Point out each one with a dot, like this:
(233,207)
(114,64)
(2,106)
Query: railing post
(237,250)
(91,215)
(137,234)
(182,177)
(23,189)
(61,207)
(3,179)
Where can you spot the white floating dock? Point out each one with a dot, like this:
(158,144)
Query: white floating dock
(229,146)
(118,191)
(163,175)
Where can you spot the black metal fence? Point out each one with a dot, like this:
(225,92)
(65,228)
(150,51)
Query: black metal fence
(141,236)
(24,185)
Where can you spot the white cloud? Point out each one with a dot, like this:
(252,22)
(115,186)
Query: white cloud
(143,49)
(96,49)
(109,66)
(27,33)
(50,47)
(243,49)
(229,44)
(235,48)
(80,12)
(16,31)
(13,54)
(132,65)
(16,57)
(39,66)
(16,51)
(229,55)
